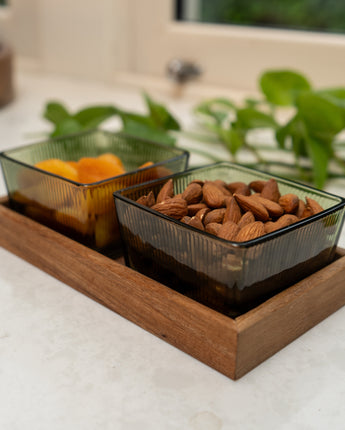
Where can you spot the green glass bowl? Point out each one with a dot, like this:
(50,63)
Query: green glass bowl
(230,277)
(84,212)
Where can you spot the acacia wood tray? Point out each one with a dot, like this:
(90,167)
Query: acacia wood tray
(233,346)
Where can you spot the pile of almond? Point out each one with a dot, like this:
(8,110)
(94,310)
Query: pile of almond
(234,211)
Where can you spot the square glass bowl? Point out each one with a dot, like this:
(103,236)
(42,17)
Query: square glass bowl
(84,212)
(230,277)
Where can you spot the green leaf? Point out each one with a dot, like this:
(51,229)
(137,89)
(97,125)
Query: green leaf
(55,112)
(216,108)
(217,116)
(296,130)
(232,139)
(338,93)
(143,131)
(323,118)
(92,117)
(282,133)
(161,117)
(142,119)
(320,155)
(251,102)
(335,96)
(67,126)
(281,87)
(249,118)
(219,102)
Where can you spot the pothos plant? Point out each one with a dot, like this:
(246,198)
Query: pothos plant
(305,124)
(309,134)
(155,125)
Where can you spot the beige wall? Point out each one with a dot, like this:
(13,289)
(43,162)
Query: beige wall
(106,39)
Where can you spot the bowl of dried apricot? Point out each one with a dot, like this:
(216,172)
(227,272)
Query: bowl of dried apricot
(67,183)
(228,236)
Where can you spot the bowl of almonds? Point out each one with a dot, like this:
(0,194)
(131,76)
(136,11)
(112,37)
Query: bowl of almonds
(228,236)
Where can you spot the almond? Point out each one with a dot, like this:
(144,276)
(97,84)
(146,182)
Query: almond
(273,208)
(228,231)
(197,181)
(213,228)
(251,231)
(222,186)
(314,205)
(247,218)
(219,182)
(175,208)
(307,212)
(270,190)
(301,208)
(257,186)
(239,188)
(283,221)
(167,191)
(193,193)
(216,215)
(232,212)
(289,202)
(196,223)
(194,208)
(148,200)
(213,196)
(185,219)
(270,226)
(202,213)
(249,204)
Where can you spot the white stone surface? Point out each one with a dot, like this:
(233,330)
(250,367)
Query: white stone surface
(68,363)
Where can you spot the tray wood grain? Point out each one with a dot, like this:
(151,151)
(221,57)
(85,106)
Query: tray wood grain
(233,346)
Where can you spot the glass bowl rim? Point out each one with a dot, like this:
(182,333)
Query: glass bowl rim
(182,152)
(246,244)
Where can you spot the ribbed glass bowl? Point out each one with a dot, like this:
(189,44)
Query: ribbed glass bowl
(230,277)
(84,212)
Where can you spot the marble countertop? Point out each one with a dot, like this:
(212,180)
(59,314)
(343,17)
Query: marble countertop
(69,363)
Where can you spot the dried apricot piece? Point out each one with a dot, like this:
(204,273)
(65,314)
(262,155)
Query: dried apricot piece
(58,167)
(73,164)
(76,219)
(94,169)
(112,159)
(147,164)
(106,230)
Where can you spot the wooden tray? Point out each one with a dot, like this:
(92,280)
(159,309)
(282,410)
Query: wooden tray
(231,346)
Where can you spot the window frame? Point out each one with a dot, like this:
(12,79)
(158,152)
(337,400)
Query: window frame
(158,38)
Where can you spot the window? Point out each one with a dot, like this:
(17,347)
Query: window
(314,15)
(230,55)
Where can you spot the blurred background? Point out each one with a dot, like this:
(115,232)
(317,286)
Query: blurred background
(182,52)
(133,41)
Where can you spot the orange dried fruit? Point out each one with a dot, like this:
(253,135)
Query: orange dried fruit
(112,159)
(73,164)
(147,164)
(94,169)
(58,167)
